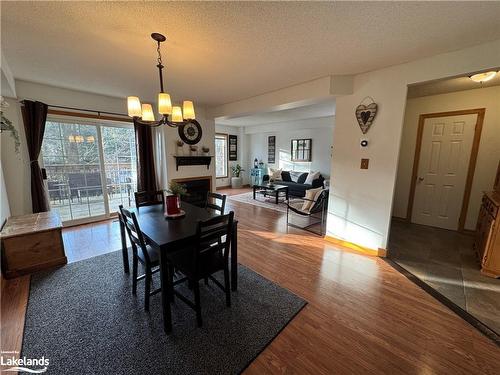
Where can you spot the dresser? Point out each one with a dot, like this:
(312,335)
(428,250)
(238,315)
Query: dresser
(487,241)
(31,243)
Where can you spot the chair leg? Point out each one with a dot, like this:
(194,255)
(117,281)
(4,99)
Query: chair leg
(147,288)
(227,287)
(134,274)
(171,272)
(196,287)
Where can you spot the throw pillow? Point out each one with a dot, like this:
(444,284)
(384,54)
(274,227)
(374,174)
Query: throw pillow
(310,197)
(295,175)
(302,178)
(311,177)
(275,174)
(285,175)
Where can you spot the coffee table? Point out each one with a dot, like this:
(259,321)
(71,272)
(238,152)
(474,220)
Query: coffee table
(272,190)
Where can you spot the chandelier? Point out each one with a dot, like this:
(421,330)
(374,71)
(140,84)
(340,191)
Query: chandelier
(143,113)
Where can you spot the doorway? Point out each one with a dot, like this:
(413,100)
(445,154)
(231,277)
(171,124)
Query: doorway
(443,169)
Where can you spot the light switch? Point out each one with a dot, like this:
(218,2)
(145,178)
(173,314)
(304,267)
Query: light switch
(364,163)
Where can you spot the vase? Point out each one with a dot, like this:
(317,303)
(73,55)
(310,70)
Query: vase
(236,182)
(173,204)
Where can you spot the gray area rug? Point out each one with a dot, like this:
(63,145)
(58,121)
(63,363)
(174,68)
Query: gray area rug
(261,201)
(85,320)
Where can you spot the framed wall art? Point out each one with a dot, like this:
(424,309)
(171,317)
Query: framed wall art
(271,149)
(233,147)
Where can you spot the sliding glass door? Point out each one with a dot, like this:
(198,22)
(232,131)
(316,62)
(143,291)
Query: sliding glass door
(91,168)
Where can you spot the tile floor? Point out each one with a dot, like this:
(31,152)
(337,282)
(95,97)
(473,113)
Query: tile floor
(446,261)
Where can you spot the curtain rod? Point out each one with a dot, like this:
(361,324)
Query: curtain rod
(82,109)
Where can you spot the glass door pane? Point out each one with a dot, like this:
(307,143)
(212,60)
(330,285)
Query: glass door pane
(70,154)
(120,165)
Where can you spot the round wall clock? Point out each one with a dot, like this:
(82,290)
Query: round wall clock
(191,132)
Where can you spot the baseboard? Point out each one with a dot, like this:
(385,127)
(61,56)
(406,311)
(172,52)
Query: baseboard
(360,249)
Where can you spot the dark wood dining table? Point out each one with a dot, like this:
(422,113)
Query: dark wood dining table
(169,235)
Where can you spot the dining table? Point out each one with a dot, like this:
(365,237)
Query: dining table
(169,235)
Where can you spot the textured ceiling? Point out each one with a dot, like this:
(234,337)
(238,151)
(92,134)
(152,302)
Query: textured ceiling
(219,52)
(449,85)
(321,109)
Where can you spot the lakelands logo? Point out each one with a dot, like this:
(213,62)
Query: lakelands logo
(24,364)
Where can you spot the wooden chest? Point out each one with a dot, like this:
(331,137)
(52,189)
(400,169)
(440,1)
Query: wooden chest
(487,242)
(31,243)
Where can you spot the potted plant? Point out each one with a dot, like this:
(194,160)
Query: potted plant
(236,180)
(180,147)
(205,150)
(175,191)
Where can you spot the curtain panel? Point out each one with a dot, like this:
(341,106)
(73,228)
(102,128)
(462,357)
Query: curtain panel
(146,174)
(34,118)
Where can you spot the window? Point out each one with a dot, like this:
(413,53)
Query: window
(220,155)
(91,167)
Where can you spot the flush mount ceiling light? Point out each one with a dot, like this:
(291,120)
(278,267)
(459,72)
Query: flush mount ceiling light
(483,77)
(143,113)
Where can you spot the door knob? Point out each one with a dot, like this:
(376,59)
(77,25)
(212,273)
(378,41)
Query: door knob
(420,179)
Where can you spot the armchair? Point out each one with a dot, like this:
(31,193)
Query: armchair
(310,217)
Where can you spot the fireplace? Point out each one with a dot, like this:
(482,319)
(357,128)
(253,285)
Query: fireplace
(197,189)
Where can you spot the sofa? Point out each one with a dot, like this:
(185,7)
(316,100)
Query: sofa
(297,189)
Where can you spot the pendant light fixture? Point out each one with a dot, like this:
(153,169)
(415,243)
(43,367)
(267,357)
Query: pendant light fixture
(173,116)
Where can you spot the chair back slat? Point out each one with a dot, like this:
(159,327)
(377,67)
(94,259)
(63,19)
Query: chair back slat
(149,198)
(213,202)
(214,235)
(134,232)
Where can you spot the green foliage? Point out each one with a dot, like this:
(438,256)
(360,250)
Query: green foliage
(177,189)
(6,125)
(236,170)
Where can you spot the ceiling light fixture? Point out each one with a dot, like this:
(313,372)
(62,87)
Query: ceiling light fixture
(483,77)
(143,113)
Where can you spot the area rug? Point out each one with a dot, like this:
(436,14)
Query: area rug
(261,201)
(84,319)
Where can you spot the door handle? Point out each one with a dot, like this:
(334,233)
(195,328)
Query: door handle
(420,179)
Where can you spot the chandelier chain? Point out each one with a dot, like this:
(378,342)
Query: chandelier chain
(159,54)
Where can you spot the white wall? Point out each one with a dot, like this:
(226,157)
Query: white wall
(489,147)
(242,155)
(4,199)
(208,140)
(360,204)
(319,130)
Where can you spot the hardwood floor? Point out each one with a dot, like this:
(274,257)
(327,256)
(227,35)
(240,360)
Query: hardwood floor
(363,316)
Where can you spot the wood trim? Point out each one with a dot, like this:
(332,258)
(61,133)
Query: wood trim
(88,115)
(358,248)
(480,112)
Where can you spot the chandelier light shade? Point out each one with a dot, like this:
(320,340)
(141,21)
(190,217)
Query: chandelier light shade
(164,104)
(483,77)
(134,106)
(176,114)
(188,109)
(144,114)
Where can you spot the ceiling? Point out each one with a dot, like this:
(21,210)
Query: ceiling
(322,109)
(449,85)
(219,52)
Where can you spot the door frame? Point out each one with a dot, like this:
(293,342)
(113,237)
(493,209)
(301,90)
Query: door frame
(480,112)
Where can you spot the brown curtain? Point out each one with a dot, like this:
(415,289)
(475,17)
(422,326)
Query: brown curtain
(146,178)
(34,117)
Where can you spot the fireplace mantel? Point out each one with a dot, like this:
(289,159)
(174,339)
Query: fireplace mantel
(192,160)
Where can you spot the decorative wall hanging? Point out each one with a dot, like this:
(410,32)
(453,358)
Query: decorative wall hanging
(271,149)
(233,147)
(365,114)
(301,149)
(190,132)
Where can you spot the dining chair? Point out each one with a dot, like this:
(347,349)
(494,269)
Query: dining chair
(212,202)
(208,255)
(143,253)
(149,198)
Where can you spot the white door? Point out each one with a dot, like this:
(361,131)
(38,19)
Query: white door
(442,170)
